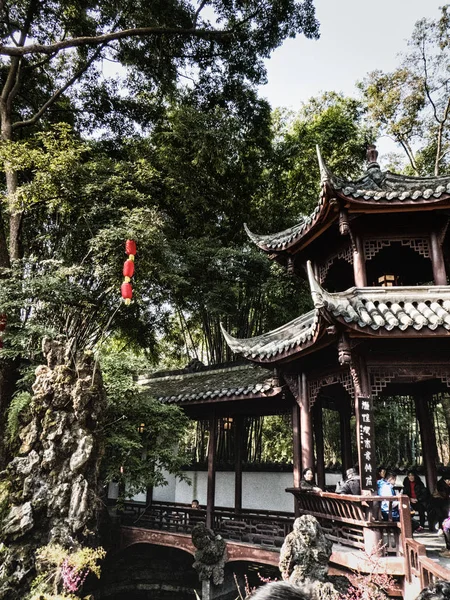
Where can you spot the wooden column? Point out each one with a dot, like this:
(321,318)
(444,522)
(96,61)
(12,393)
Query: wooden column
(437,260)
(296,449)
(365,434)
(346,440)
(306,432)
(428,439)
(238,443)
(359,262)
(318,435)
(296,452)
(211,490)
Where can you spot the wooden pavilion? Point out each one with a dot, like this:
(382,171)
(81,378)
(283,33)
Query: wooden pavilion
(375,253)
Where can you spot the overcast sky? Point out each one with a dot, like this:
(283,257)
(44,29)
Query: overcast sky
(356,36)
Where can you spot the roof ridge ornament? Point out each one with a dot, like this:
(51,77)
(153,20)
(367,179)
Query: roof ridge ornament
(316,289)
(372,157)
(325,174)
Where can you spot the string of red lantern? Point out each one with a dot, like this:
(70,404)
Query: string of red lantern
(128,271)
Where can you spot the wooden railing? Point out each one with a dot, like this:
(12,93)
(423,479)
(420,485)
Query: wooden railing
(262,527)
(421,568)
(356,520)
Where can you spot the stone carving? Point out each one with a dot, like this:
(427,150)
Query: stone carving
(211,554)
(304,559)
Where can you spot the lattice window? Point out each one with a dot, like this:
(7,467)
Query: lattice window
(342,377)
(381,377)
(345,253)
(419,245)
(372,247)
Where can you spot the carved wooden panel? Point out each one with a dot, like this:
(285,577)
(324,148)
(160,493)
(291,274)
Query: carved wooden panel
(342,377)
(380,377)
(419,245)
(345,253)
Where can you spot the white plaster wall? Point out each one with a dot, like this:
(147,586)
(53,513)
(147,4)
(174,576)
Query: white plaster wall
(263,490)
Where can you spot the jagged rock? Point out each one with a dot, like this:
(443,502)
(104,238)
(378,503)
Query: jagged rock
(83,451)
(19,520)
(304,558)
(211,554)
(53,483)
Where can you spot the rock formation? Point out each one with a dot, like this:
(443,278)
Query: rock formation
(304,559)
(50,490)
(210,556)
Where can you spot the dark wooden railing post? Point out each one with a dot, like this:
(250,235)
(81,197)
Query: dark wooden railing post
(211,490)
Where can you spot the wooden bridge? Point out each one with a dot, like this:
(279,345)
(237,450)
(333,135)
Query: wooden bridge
(352,523)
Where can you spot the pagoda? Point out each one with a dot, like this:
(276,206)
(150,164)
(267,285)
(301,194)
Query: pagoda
(376,255)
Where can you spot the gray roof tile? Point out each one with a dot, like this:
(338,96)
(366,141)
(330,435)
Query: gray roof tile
(210,383)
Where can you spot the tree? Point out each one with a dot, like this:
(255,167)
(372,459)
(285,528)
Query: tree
(51,60)
(412,104)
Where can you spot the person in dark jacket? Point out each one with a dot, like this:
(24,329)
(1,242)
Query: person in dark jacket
(440,502)
(352,485)
(307,483)
(418,496)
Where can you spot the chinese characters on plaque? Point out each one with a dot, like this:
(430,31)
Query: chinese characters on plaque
(367,464)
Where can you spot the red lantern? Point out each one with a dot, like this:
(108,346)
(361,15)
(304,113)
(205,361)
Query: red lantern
(128,268)
(130,247)
(127,291)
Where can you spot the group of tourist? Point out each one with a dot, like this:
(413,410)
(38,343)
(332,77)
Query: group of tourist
(435,505)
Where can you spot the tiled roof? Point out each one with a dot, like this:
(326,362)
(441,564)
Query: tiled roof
(374,187)
(291,337)
(370,309)
(420,307)
(228,382)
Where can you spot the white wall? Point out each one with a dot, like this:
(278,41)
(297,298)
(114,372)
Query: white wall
(263,490)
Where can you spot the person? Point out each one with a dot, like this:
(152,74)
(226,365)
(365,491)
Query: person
(381,473)
(282,590)
(438,590)
(446,530)
(440,502)
(195,503)
(418,495)
(352,485)
(386,488)
(307,483)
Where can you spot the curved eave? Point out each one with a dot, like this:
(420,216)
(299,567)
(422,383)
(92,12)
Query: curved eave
(285,240)
(280,344)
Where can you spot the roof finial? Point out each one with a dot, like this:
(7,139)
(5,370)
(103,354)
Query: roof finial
(372,155)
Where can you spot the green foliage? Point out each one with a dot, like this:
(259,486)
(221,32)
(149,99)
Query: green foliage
(277,439)
(4,506)
(412,103)
(141,433)
(16,410)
